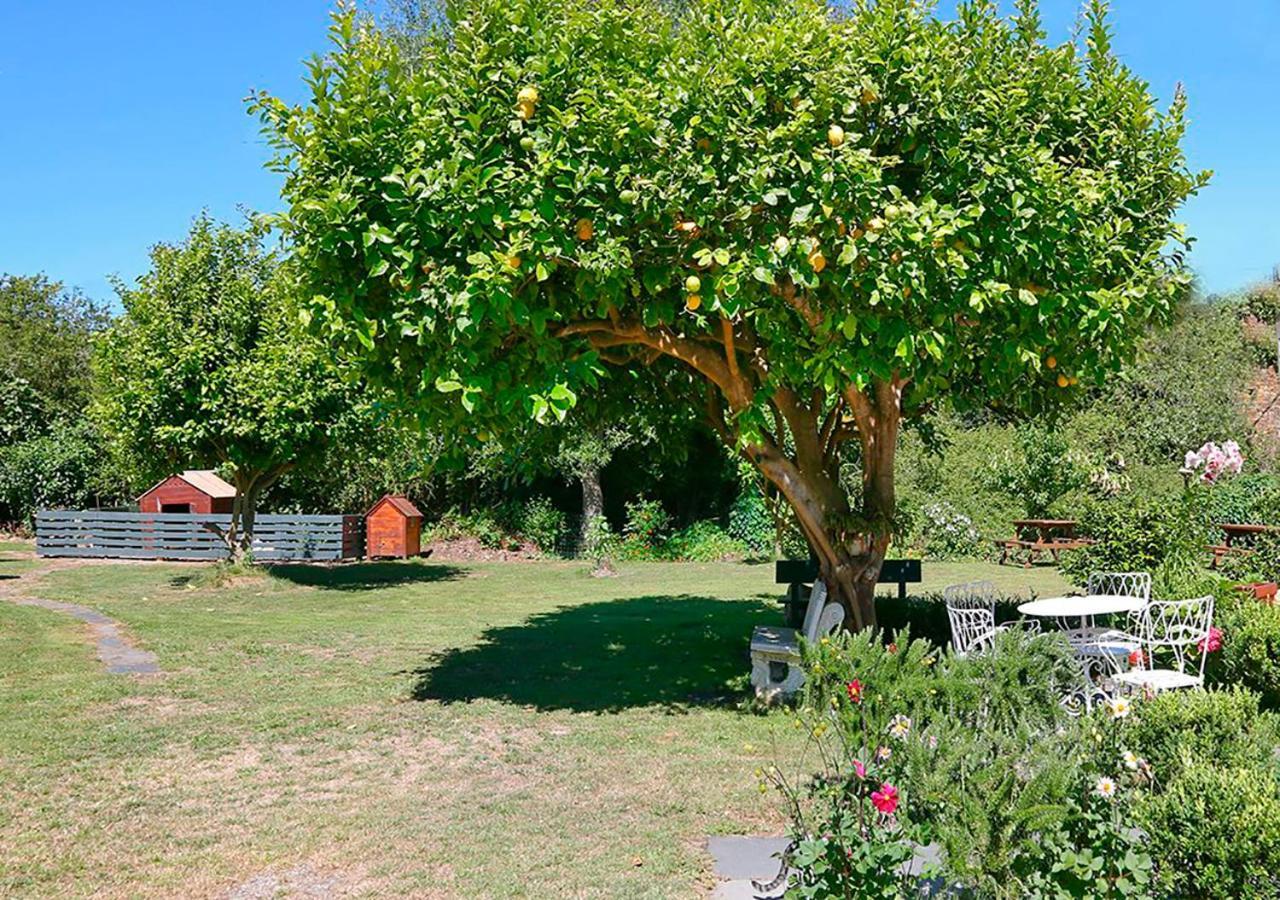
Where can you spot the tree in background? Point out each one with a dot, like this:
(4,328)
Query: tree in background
(208,368)
(833,222)
(48,454)
(48,333)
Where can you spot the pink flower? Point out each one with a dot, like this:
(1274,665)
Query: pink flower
(885,799)
(1137,658)
(855,690)
(1212,642)
(859,769)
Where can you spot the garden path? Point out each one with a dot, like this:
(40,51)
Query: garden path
(116,650)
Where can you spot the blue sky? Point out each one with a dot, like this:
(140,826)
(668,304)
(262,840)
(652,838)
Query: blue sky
(120,121)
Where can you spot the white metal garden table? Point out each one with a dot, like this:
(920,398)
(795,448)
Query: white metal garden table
(1097,665)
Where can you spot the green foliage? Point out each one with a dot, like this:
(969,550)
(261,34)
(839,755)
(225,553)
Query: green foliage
(208,367)
(543,524)
(48,332)
(1216,832)
(750,522)
(703,541)
(1036,472)
(56,469)
(1220,727)
(1139,534)
(946,533)
(1250,653)
(645,529)
(888,208)
(984,759)
(22,415)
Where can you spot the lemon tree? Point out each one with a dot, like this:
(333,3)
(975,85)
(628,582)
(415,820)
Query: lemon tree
(816,224)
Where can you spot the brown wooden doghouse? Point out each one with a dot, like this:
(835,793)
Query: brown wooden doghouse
(393,527)
(194,491)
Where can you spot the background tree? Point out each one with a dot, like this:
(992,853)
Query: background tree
(49,455)
(832,221)
(208,368)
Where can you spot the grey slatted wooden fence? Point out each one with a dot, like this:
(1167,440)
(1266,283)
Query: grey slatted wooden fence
(129,535)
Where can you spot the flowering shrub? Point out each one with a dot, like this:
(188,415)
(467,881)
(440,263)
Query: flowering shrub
(947,533)
(1210,462)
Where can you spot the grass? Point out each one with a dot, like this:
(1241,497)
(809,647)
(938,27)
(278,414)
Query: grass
(487,730)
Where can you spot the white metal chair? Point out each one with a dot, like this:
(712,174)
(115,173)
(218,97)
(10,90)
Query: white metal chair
(971,610)
(1116,644)
(776,669)
(1176,631)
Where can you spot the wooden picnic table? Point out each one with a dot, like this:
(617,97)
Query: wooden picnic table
(1048,529)
(1035,537)
(1237,536)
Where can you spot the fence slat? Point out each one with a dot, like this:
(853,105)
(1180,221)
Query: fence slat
(277,537)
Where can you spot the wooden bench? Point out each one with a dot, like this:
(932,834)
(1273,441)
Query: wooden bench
(1033,550)
(1221,551)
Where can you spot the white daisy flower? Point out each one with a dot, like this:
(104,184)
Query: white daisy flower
(1120,707)
(1130,760)
(1105,788)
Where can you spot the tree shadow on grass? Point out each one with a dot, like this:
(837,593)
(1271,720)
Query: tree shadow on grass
(365,576)
(672,651)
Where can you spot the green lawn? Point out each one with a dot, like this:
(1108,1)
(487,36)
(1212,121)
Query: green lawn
(393,728)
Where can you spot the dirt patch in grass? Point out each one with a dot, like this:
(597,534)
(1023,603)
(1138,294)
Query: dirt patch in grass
(471,550)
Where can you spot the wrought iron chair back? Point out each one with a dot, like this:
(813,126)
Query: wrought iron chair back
(971,610)
(1124,584)
(1180,627)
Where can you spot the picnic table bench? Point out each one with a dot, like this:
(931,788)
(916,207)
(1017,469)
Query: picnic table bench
(1037,537)
(1236,537)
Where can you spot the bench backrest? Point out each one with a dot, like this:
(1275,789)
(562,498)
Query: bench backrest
(817,600)
(805,571)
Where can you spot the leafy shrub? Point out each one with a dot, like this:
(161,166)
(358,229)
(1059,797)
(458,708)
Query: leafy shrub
(703,542)
(947,533)
(1222,727)
(980,757)
(1216,833)
(542,523)
(55,469)
(1250,653)
(1133,535)
(749,521)
(1040,468)
(481,525)
(645,529)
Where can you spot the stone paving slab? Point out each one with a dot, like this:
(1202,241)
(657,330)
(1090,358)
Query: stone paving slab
(116,652)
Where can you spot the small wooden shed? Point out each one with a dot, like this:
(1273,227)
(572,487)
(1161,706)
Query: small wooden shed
(393,527)
(194,491)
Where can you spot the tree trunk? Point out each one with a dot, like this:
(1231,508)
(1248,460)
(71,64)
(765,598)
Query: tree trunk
(592,507)
(849,545)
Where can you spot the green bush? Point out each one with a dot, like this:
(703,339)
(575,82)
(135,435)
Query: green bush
(1131,535)
(749,520)
(1219,727)
(703,542)
(1215,833)
(482,525)
(53,470)
(645,530)
(925,615)
(1250,653)
(542,523)
(946,533)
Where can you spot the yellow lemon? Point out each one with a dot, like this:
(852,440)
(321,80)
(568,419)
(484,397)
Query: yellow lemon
(835,135)
(513,261)
(1063,381)
(524,110)
(528,95)
(586,230)
(817,260)
(693,284)
(1051,362)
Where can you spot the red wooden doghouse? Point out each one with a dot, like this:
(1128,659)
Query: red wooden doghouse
(393,527)
(194,491)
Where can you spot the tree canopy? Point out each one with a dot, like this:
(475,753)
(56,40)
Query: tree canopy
(825,222)
(208,368)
